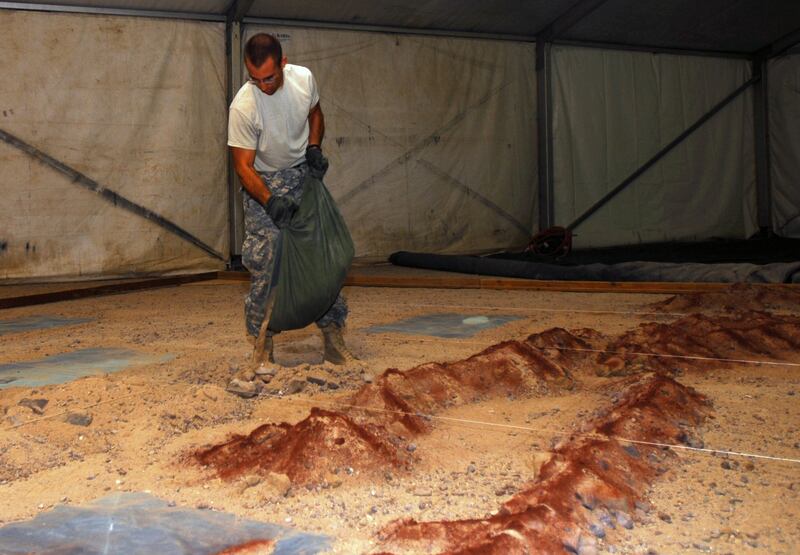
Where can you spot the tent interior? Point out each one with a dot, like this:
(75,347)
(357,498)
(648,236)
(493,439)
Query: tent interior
(504,168)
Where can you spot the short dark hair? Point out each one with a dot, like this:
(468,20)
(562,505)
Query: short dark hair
(263,46)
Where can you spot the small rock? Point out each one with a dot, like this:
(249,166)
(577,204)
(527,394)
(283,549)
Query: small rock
(295,386)
(249,482)
(332,385)
(244,389)
(624,520)
(316,380)
(665,517)
(632,451)
(471,468)
(36,405)
(726,465)
(702,546)
(78,419)
(597,530)
(411,447)
(279,483)
(588,502)
(643,506)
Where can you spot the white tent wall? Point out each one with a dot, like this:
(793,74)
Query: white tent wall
(614,110)
(432,140)
(136,104)
(784,130)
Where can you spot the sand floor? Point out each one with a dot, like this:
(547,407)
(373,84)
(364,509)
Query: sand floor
(146,421)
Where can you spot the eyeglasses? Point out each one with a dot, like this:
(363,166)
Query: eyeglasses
(265,81)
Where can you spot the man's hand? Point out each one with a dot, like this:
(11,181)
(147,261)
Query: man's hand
(317,162)
(281,210)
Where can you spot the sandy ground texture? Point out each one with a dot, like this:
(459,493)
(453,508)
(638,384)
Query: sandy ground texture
(137,430)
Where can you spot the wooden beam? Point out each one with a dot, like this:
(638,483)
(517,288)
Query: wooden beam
(354,279)
(484,282)
(101,290)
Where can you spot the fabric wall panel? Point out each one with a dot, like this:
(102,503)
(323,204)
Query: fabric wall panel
(784,128)
(613,110)
(432,140)
(136,104)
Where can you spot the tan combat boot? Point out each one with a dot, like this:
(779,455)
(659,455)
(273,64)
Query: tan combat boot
(336,351)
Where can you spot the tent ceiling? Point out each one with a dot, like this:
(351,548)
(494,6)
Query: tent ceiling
(510,17)
(721,25)
(735,26)
(216,7)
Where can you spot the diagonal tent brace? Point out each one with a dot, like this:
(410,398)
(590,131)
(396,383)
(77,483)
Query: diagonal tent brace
(114,198)
(663,152)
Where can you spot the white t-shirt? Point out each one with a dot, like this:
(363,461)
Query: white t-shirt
(275,126)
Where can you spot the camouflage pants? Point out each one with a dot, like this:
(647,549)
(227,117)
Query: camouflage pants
(258,249)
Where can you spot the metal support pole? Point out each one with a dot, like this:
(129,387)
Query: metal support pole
(545,136)
(233,54)
(233,49)
(762,153)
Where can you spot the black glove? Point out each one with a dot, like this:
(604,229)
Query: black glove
(281,210)
(317,163)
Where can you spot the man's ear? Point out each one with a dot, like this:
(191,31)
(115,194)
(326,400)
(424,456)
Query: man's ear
(283,62)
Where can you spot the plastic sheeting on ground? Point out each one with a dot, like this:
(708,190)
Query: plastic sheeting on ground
(29,323)
(431,140)
(782,272)
(136,104)
(140,524)
(447,325)
(614,110)
(784,129)
(65,367)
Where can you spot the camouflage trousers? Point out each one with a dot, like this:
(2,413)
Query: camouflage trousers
(258,250)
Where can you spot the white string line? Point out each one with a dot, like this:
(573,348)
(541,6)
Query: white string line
(657,355)
(542,431)
(690,357)
(521,309)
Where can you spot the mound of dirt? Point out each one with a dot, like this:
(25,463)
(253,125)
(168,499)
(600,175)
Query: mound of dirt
(744,335)
(591,483)
(737,297)
(317,447)
(383,416)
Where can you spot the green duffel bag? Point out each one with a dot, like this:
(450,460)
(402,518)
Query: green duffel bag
(312,257)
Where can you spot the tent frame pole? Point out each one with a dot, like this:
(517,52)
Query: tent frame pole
(762,147)
(544,125)
(233,67)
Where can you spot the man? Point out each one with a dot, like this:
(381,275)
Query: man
(275,132)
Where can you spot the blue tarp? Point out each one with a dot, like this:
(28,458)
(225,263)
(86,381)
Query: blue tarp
(140,524)
(38,323)
(66,367)
(444,325)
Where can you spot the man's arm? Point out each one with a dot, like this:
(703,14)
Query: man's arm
(316,126)
(243,165)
